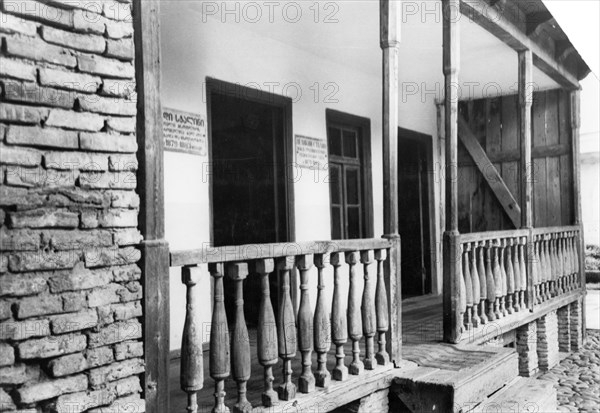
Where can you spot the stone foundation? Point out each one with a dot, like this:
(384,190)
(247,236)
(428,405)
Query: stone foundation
(527,349)
(576,325)
(564,329)
(70,292)
(547,341)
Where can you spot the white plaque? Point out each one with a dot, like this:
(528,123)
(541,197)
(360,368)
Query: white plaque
(311,153)
(184,132)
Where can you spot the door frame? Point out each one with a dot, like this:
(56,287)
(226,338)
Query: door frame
(256,95)
(409,134)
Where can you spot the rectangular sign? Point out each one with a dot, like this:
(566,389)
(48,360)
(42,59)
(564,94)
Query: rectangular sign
(184,132)
(311,152)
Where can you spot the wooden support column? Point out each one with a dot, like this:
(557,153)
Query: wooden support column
(389,41)
(155,250)
(526,88)
(575,145)
(451,56)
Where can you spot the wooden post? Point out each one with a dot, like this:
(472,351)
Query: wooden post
(575,125)
(451,56)
(155,250)
(389,41)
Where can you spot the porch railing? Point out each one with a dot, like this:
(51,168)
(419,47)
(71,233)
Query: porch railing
(491,276)
(283,331)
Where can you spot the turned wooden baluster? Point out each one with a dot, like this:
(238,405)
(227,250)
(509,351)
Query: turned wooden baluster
(468,321)
(504,278)
(482,283)
(339,329)
(576,259)
(191,376)
(510,276)
(516,272)
(286,333)
(544,269)
(369,317)
(381,305)
(240,351)
(219,358)
(462,289)
(354,316)
(549,266)
(535,271)
(523,271)
(560,258)
(322,326)
(540,270)
(306,334)
(497,279)
(490,281)
(267,331)
(555,264)
(567,263)
(475,284)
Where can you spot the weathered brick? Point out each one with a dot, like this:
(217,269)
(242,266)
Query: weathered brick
(17,69)
(52,346)
(120,49)
(120,163)
(124,199)
(105,66)
(36,49)
(118,218)
(123,125)
(74,301)
(116,10)
(6,401)
(89,219)
(115,371)
(14,155)
(79,278)
(7,354)
(104,295)
(66,365)
(129,349)
(5,309)
(107,180)
(115,333)
(35,10)
(99,356)
(39,218)
(39,305)
(104,257)
(10,196)
(120,88)
(87,21)
(81,198)
(22,330)
(127,237)
(13,24)
(17,285)
(106,142)
(62,79)
(39,177)
(83,401)
(22,114)
(32,93)
(126,386)
(127,311)
(131,292)
(131,403)
(75,120)
(107,105)
(33,261)
(118,29)
(82,42)
(73,240)
(16,374)
(49,389)
(49,137)
(82,161)
(67,323)
(127,273)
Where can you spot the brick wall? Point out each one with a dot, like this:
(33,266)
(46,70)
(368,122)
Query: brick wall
(70,293)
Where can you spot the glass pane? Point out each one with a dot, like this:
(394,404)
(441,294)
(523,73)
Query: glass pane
(336,222)
(353,222)
(350,144)
(352,186)
(335,141)
(335,184)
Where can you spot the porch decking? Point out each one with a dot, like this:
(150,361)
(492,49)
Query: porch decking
(422,323)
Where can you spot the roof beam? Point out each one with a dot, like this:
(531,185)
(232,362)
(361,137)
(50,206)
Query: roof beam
(492,20)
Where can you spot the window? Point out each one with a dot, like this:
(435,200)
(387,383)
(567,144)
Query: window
(348,139)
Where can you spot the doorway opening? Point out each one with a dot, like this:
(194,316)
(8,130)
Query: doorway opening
(414,184)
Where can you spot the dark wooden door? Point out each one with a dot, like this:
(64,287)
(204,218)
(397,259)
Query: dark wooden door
(413,206)
(248,182)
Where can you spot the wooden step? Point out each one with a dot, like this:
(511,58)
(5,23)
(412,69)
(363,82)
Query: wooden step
(520,396)
(453,379)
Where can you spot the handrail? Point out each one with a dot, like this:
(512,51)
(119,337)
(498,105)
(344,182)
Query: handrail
(233,253)
(485,236)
